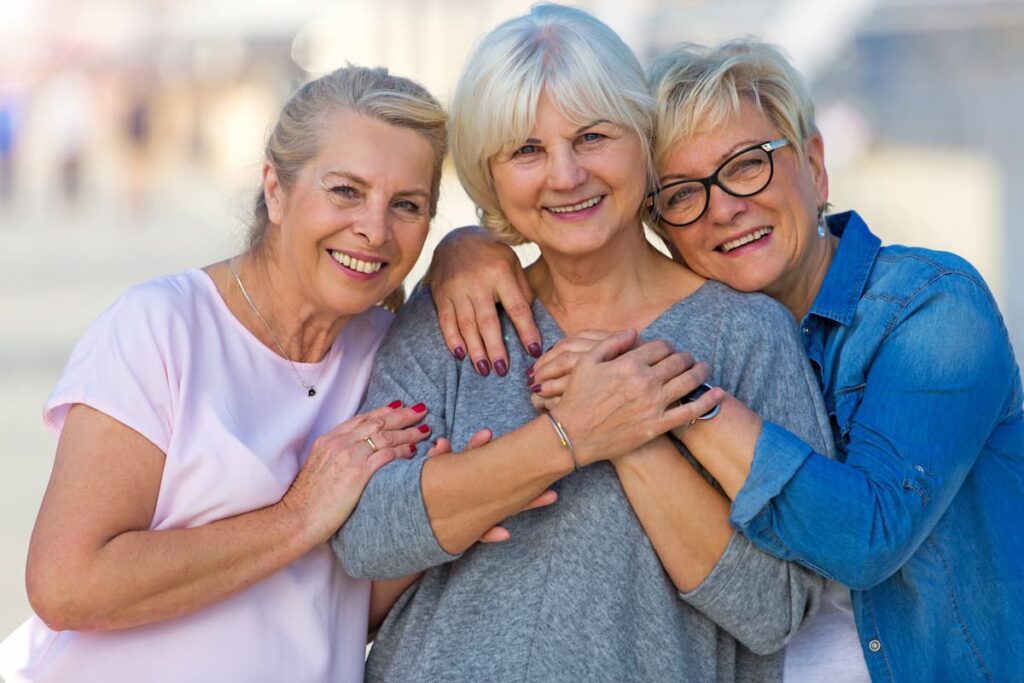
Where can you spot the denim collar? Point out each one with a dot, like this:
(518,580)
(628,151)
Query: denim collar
(848,275)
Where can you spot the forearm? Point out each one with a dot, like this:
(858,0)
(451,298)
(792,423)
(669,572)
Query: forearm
(140,577)
(685,518)
(384,595)
(467,493)
(725,444)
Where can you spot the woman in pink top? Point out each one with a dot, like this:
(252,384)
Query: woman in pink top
(208,447)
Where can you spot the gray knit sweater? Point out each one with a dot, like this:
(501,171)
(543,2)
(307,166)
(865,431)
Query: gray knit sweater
(578,593)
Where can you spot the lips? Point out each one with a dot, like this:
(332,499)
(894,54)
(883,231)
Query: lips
(571,208)
(742,240)
(358,265)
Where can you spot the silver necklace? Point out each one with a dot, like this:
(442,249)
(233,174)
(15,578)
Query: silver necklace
(310,388)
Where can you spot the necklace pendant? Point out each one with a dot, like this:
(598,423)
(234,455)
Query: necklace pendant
(312,392)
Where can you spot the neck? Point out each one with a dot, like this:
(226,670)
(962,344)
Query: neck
(797,293)
(624,284)
(305,334)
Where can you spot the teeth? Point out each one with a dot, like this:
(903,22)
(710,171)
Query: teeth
(356,264)
(586,204)
(746,239)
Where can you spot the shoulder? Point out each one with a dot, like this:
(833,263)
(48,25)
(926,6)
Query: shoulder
(907,279)
(744,315)
(164,298)
(414,329)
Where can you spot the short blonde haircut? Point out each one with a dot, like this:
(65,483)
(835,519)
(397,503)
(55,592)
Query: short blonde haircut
(583,66)
(699,87)
(296,137)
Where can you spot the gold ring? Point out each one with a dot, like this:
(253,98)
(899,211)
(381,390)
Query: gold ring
(368,440)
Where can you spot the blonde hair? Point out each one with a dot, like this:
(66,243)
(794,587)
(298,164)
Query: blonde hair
(699,87)
(584,67)
(295,138)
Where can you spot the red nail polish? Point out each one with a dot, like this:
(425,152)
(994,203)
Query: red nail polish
(395,405)
(534,350)
(412,449)
(419,408)
(535,388)
(459,353)
(529,370)
(501,367)
(424,428)
(483,367)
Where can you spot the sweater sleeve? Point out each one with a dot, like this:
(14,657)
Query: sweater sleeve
(760,599)
(389,534)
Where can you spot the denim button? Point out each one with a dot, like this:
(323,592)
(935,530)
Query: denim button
(807,330)
(919,469)
(875,645)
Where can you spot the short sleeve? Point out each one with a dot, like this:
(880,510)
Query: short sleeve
(122,367)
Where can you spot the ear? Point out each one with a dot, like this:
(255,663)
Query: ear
(273,194)
(815,151)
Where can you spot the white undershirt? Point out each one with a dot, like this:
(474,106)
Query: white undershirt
(826,648)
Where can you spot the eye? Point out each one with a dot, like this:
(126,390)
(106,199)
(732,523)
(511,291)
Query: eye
(526,151)
(407,206)
(345,192)
(591,136)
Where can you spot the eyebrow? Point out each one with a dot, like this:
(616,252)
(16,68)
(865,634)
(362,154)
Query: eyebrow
(359,180)
(718,162)
(581,129)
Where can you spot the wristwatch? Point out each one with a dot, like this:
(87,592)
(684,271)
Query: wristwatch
(697,393)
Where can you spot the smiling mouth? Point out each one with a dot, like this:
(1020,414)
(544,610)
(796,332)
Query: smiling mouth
(726,247)
(352,263)
(585,204)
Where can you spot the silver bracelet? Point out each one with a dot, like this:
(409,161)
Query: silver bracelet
(564,438)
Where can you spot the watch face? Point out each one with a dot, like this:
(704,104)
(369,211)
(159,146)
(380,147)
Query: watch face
(696,393)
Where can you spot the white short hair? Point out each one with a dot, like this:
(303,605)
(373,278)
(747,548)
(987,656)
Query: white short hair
(584,68)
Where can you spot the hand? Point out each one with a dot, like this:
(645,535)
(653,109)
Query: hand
(618,397)
(495,534)
(470,273)
(341,461)
(548,377)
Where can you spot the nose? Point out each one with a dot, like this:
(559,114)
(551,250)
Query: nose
(565,172)
(723,208)
(374,224)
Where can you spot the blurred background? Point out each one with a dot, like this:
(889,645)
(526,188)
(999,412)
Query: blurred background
(131,135)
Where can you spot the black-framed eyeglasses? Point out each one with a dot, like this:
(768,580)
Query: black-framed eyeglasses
(744,174)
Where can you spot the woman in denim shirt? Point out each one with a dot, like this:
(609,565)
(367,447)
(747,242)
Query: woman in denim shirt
(919,515)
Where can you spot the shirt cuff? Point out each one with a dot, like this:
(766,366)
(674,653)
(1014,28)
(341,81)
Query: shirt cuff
(777,456)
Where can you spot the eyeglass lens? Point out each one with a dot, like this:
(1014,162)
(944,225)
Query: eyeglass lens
(743,175)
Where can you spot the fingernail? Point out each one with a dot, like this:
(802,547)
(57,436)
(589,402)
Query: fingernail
(529,370)
(459,353)
(419,408)
(534,350)
(395,405)
(535,388)
(483,367)
(501,367)
(412,449)
(425,429)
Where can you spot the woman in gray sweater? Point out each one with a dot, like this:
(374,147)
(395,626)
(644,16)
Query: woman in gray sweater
(634,574)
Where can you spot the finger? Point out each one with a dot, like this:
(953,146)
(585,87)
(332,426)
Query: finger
(612,347)
(479,438)
(495,534)
(650,353)
(515,296)
(543,500)
(398,418)
(489,325)
(441,447)
(682,384)
(449,324)
(683,415)
(557,363)
(465,314)
(676,364)
(551,388)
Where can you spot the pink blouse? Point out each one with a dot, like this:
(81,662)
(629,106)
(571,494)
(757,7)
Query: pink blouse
(169,360)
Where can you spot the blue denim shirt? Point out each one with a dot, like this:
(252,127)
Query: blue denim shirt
(922,512)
